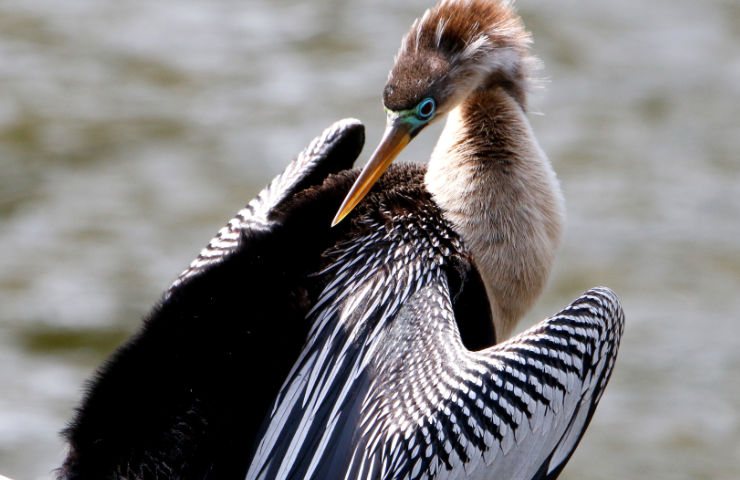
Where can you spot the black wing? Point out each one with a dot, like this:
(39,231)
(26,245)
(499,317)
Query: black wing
(333,151)
(516,410)
(385,388)
(185,397)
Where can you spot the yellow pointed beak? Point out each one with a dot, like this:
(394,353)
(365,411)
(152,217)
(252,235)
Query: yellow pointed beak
(396,137)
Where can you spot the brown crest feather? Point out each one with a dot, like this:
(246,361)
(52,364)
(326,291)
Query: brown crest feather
(459,42)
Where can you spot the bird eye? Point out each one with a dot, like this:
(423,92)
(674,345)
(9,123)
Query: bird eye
(425,109)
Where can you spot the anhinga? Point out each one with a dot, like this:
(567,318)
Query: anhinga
(293,350)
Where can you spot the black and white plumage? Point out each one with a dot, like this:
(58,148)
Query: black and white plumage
(292,350)
(385,387)
(312,166)
(384,364)
(185,396)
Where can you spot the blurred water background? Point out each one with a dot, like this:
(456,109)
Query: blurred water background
(130,131)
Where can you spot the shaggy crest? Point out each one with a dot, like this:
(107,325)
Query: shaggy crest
(460,42)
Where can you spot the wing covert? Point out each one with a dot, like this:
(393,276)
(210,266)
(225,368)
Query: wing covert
(312,431)
(334,150)
(515,410)
(385,388)
(413,403)
(172,398)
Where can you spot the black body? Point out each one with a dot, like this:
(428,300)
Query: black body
(185,397)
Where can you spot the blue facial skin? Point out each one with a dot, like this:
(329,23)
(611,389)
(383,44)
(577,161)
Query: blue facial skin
(425,109)
(416,118)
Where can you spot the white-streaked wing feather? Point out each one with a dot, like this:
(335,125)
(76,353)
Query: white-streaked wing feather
(317,413)
(515,410)
(256,215)
(385,388)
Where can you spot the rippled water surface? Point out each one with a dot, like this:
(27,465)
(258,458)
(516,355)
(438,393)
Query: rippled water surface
(131,130)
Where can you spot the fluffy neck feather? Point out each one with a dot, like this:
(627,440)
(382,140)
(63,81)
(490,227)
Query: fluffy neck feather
(494,183)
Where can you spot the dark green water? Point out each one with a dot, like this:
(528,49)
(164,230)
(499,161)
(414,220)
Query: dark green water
(130,131)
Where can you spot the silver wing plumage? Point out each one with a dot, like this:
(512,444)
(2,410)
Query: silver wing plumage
(171,401)
(385,389)
(313,162)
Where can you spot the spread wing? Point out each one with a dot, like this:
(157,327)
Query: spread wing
(385,388)
(333,151)
(516,410)
(170,402)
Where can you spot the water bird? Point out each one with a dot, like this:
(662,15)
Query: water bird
(377,348)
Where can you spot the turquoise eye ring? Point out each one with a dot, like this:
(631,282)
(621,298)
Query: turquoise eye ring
(426,108)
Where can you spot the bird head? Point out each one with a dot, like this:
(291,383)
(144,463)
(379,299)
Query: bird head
(453,49)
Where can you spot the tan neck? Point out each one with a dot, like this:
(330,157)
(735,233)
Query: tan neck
(494,183)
